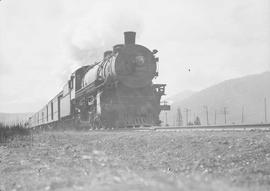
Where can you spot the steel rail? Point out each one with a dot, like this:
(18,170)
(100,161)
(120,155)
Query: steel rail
(241,127)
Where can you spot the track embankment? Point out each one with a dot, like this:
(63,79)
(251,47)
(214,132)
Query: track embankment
(147,160)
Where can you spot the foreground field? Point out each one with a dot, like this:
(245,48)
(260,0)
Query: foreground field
(137,161)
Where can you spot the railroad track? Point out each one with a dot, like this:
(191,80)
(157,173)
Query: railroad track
(216,127)
(245,127)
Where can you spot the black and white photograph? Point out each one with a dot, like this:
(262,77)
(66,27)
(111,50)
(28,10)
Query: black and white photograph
(141,95)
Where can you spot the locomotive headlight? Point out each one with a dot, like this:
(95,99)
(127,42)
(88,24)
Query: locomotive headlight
(139,60)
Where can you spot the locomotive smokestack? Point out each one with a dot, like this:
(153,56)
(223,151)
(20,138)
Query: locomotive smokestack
(130,37)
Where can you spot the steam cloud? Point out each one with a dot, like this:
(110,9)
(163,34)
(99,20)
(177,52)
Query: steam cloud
(88,37)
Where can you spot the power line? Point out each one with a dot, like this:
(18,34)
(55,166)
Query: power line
(215,117)
(179,117)
(242,120)
(186,110)
(206,110)
(225,115)
(265,110)
(166,119)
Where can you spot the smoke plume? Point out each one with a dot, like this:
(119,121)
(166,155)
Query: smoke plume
(98,31)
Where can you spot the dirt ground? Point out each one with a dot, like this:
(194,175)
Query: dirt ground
(190,160)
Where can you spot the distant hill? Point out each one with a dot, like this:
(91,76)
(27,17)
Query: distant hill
(13,118)
(180,96)
(245,93)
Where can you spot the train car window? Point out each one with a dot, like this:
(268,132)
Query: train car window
(70,84)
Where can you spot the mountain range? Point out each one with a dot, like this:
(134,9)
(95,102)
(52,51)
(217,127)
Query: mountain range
(240,100)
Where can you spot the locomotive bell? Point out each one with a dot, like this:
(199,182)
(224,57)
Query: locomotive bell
(130,37)
(107,53)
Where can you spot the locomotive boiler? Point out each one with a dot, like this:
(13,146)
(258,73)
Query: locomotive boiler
(115,92)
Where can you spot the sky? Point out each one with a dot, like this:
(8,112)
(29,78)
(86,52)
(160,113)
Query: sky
(200,43)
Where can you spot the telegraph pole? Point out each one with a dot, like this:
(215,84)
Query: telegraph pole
(225,115)
(166,119)
(242,115)
(186,110)
(206,110)
(189,115)
(265,110)
(215,117)
(179,117)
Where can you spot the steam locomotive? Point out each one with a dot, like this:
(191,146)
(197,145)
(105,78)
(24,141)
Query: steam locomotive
(113,93)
